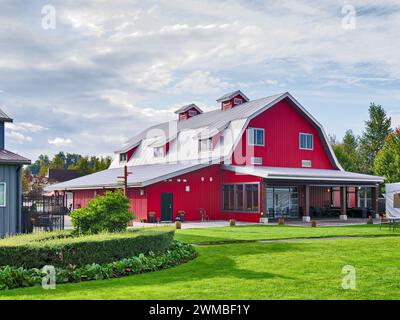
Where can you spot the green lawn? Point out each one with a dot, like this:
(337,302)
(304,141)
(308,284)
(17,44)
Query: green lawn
(295,270)
(253,270)
(265,232)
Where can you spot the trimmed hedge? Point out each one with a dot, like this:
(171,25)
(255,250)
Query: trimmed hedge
(63,249)
(13,277)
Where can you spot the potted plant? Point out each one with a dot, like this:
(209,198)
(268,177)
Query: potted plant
(181,215)
(232,222)
(152,217)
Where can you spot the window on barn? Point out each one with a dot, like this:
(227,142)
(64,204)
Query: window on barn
(255,137)
(240,197)
(3,194)
(306,141)
(159,152)
(365,197)
(123,157)
(192,113)
(237,101)
(205,145)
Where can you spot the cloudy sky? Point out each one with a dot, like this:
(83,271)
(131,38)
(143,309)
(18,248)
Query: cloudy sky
(94,74)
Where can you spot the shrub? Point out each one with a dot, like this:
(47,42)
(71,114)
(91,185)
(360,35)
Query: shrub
(60,249)
(104,213)
(14,277)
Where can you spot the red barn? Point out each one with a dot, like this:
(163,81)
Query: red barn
(246,160)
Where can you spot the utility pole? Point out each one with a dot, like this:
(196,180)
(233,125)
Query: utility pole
(124,180)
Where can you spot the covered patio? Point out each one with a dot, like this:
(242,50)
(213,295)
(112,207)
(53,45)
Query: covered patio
(302,193)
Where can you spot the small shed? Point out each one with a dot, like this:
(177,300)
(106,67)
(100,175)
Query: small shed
(10,185)
(393,200)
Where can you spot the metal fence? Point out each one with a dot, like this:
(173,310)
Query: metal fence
(43,213)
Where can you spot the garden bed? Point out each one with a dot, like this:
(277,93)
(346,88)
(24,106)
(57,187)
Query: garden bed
(62,249)
(18,277)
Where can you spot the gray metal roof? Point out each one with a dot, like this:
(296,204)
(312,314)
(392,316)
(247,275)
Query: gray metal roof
(4,117)
(304,174)
(230,95)
(212,120)
(188,107)
(8,157)
(141,176)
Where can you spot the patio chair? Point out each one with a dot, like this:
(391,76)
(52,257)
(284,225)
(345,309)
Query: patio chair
(203,215)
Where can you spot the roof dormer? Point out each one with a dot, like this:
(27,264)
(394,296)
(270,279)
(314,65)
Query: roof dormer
(232,99)
(188,111)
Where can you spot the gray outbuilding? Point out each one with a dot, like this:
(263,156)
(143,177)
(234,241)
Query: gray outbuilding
(10,185)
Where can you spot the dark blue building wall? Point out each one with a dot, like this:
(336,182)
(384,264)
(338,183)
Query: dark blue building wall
(2,143)
(10,214)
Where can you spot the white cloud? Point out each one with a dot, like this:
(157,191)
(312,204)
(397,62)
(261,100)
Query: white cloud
(18,137)
(201,82)
(60,142)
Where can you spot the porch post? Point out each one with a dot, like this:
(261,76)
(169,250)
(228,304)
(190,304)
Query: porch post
(306,217)
(343,203)
(374,199)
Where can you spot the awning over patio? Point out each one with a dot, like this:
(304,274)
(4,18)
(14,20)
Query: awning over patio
(317,176)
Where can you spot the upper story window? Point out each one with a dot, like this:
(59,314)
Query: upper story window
(205,145)
(255,137)
(123,157)
(192,113)
(237,101)
(159,152)
(3,194)
(306,141)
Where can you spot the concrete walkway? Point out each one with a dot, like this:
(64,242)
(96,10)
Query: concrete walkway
(223,223)
(194,224)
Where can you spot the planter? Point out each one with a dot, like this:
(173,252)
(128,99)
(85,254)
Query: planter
(232,222)
(281,221)
(370,220)
(264,220)
(313,223)
(178,225)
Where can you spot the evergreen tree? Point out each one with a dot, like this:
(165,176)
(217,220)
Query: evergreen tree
(387,162)
(377,129)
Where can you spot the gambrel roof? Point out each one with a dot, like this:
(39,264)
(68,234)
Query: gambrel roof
(212,120)
(218,120)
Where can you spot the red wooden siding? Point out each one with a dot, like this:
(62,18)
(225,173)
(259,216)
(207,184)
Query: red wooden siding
(282,125)
(203,194)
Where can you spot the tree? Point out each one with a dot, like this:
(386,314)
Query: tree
(26,180)
(43,169)
(83,166)
(377,129)
(347,152)
(387,162)
(58,161)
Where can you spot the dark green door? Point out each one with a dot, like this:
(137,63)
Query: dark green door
(166,206)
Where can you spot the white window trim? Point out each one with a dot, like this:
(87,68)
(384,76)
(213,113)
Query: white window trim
(163,152)
(306,161)
(205,151)
(126,157)
(5,195)
(254,162)
(248,137)
(312,140)
(237,101)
